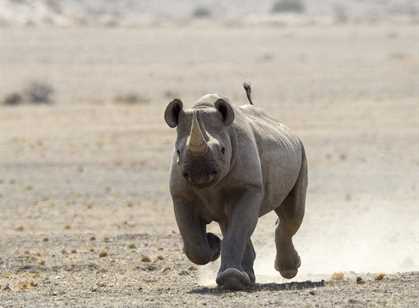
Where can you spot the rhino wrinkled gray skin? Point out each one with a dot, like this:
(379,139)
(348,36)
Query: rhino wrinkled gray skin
(232,165)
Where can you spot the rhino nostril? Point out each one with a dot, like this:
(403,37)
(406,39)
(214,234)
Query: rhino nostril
(213,172)
(185,175)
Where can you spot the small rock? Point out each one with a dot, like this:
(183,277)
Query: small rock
(101,284)
(145,259)
(103,254)
(380,276)
(160,257)
(20,228)
(192,268)
(150,268)
(45,239)
(67,227)
(165,269)
(312,292)
(7,287)
(183,273)
(73,251)
(92,238)
(23,285)
(359,280)
(132,246)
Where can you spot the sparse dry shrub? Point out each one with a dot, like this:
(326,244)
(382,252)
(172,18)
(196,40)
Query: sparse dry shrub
(288,6)
(35,92)
(13,99)
(55,6)
(340,14)
(131,99)
(201,12)
(39,93)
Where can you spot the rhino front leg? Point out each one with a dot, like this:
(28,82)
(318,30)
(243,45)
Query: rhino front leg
(236,248)
(200,247)
(248,257)
(248,261)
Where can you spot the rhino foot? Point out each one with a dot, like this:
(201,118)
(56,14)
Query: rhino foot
(233,279)
(287,263)
(251,275)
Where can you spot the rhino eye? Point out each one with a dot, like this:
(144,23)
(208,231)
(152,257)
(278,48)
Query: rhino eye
(223,150)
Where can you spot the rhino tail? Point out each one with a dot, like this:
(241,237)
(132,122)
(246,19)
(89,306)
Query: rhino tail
(248,89)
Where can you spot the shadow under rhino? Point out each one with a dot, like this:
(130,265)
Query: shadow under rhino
(263,287)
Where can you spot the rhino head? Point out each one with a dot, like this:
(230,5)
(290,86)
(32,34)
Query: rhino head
(203,144)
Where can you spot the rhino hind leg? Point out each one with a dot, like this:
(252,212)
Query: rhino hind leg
(290,213)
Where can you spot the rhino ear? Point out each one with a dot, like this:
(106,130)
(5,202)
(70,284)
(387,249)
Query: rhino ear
(171,115)
(224,107)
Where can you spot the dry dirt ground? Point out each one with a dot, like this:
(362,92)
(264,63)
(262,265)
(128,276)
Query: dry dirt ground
(85,214)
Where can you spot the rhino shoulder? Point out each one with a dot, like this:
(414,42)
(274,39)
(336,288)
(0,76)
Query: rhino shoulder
(269,131)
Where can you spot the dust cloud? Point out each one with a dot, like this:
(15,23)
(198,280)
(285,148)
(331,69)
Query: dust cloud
(356,236)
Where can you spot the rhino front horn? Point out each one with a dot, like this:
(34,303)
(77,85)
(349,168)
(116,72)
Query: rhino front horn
(196,141)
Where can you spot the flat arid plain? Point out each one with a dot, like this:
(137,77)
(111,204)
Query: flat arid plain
(85,213)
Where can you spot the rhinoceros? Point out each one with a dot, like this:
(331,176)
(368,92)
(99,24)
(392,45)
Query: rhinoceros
(231,165)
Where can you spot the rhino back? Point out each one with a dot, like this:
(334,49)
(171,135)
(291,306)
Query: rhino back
(280,154)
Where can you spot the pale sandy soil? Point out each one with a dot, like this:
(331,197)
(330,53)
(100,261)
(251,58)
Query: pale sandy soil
(85,214)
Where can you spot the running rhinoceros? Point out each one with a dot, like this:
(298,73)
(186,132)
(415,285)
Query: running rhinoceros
(232,165)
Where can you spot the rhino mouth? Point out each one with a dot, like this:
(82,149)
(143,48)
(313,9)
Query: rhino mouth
(206,184)
(201,181)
